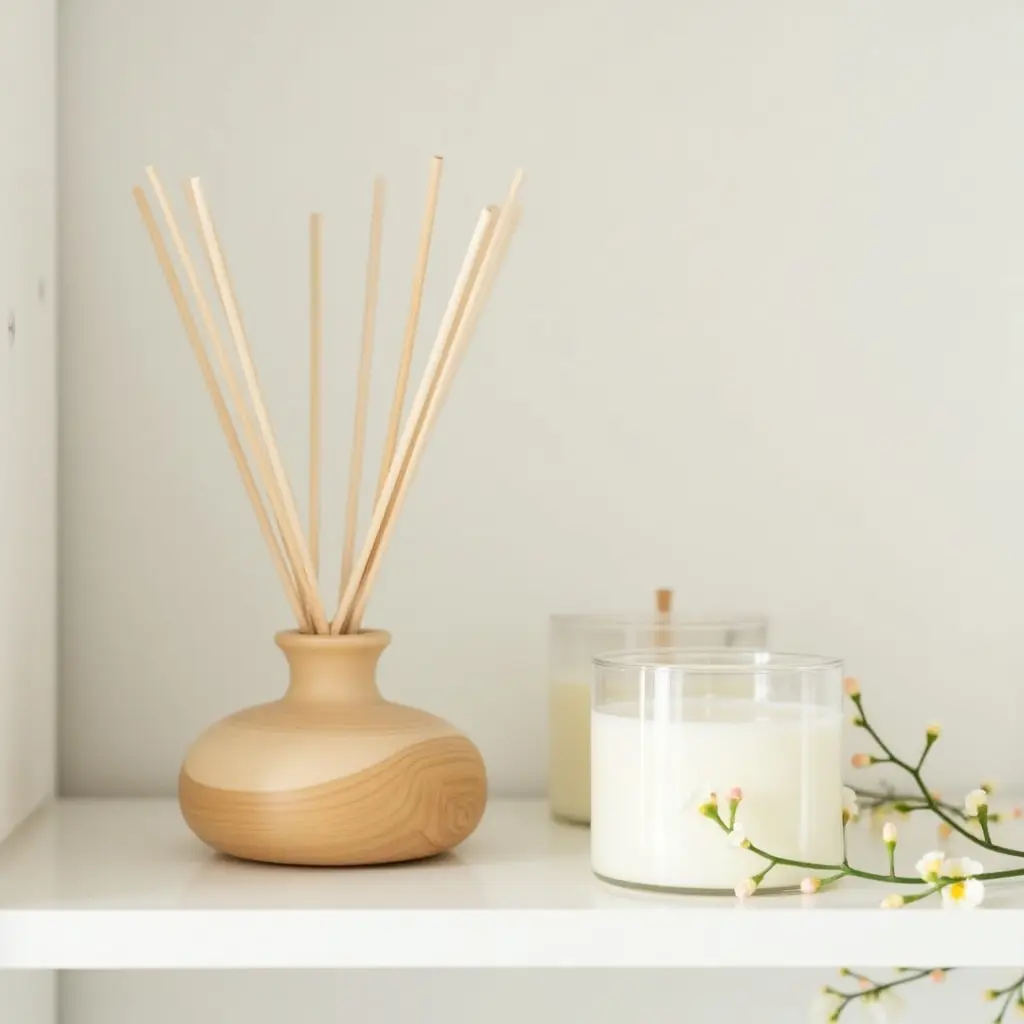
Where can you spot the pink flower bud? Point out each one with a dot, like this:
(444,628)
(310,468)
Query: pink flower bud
(938,975)
(1017,812)
(945,830)
(809,886)
(746,888)
(860,760)
(851,686)
(735,794)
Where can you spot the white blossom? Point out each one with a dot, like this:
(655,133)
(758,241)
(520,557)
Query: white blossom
(960,867)
(929,867)
(967,891)
(974,801)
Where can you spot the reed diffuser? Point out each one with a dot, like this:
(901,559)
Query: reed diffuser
(332,773)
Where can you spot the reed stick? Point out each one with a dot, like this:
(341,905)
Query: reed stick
(250,428)
(412,321)
(477,244)
(469,308)
(295,560)
(472,307)
(251,434)
(355,471)
(220,407)
(292,528)
(316,348)
(477,272)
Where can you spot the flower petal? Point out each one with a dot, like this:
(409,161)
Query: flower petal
(930,865)
(960,867)
(974,801)
(975,892)
(964,894)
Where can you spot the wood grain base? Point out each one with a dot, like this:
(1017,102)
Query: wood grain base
(332,774)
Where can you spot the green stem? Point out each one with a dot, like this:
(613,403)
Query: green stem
(928,744)
(918,896)
(989,876)
(1016,995)
(907,979)
(860,977)
(933,806)
(1006,1005)
(1014,987)
(1014,992)
(983,821)
(841,870)
(904,803)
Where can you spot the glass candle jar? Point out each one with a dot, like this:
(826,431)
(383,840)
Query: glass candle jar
(670,727)
(575,641)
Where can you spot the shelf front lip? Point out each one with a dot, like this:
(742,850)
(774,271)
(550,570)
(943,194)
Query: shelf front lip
(167,939)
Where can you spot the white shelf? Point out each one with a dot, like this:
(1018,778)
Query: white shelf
(123,884)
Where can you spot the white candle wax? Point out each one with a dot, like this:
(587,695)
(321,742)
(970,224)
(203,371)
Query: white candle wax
(569,765)
(649,778)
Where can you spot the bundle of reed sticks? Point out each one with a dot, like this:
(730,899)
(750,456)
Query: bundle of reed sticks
(248,431)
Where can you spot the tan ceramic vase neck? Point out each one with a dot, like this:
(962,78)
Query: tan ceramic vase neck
(333,669)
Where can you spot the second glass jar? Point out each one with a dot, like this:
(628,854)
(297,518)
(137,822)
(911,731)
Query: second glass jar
(575,640)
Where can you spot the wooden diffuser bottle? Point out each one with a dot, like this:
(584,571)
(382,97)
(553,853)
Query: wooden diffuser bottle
(332,773)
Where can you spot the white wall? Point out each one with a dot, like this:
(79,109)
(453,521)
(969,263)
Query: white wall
(28,385)
(497,997)
(761,337)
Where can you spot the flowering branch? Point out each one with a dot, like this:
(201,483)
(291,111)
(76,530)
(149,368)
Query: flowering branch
(1012,995)
(976,804)
(833,1001)
(887,801)
(958,881)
